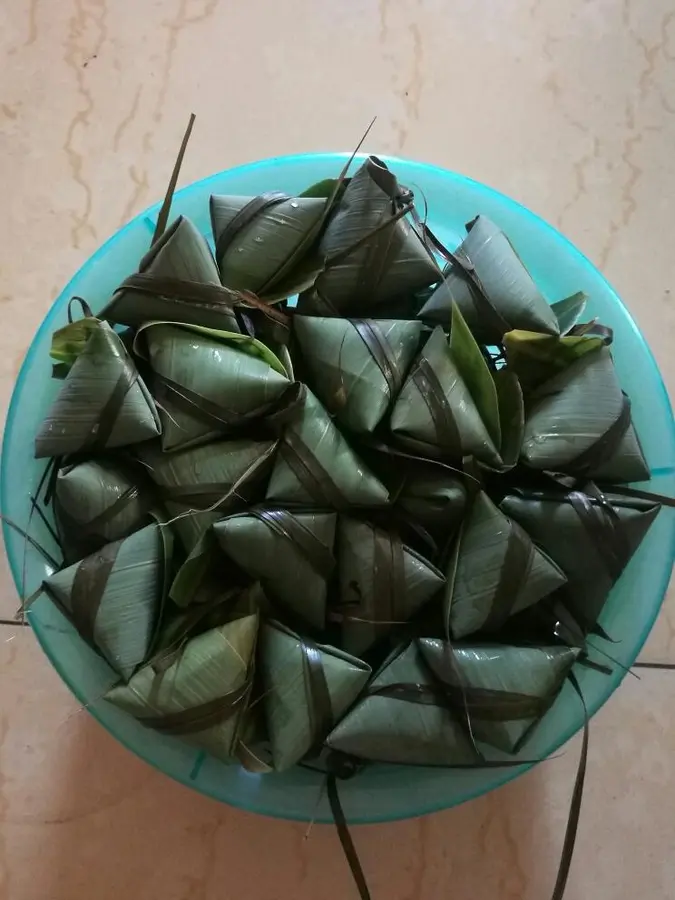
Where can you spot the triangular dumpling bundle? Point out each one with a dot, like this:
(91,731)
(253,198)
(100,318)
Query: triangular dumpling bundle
(579,422)
(504,690)
(356,367)
(103,402)
(181,255)
(496,571)
(201,484)
(307,688)
(95,503)
(315,464)
(391,264)
(208,383)
(222,604)
(291,553)
(451,406)
(202,696)
(507,297)
(382,583)
(403,719)
(257,237)
(434,497)
(591,545)
(114,596)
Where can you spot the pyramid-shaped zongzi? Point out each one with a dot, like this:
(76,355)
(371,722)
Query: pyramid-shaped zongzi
(172,284)
(290,552)
(356,367)
(201,484)
(382,583)
(307,689)
(114,596)
(103,402)
(208,383)
(495,571)
(503,689)
(256,237)
(591,544)
(503,297)
(202,696)
(97,502)
(435,412)
(403,719)
(315,464)
(579,422)
(391,262)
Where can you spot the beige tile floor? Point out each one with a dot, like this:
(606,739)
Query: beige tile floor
(570,108)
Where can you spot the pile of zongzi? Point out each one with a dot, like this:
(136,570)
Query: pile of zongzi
(323,486)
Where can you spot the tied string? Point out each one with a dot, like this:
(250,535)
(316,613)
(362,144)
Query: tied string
(462,265)
(388,577)
(202,717)
(606,445)
(309,472)
(512,577)
(245,217)
(106,418)
(385,242)
(89,584)
(522,705)
(283,523)
(379,348)
(212,297)
(319,706)
(87,535)
(383,606)
(483,704)
(431,391)
(200,407)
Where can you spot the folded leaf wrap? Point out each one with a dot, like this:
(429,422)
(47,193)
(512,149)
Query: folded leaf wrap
(103,402)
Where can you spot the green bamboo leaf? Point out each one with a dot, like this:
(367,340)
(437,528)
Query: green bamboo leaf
(356,367)
(580,545)
(389,729)
(435,413)
(202,696)
(180,253)
(103,403)
(97,502)
(569,311)
(388,260)
(315,464)
(208,382)
(290,553)
(382,584)
(511,416)
(289,707)
(534,357)
(256,236)
(504,688)
(334,192)
(498,572)
(505,284)
(471,365)
(69,342)
(201,484)
(326,188)
(579,421)
(114,597)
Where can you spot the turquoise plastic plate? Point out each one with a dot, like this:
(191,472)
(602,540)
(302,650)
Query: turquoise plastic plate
(385,792)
